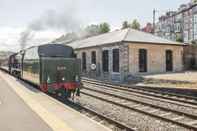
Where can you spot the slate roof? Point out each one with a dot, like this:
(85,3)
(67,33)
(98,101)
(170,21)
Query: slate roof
(126,35)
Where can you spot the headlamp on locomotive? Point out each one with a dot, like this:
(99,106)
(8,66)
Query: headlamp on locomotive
(52,67)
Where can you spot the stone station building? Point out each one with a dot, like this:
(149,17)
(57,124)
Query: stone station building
(124,53)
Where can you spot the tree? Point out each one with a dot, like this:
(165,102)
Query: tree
(194,1)
(135,25)
(179,39)
(89,31)
(194,42)
(125,25)
(92,30)
(104,28)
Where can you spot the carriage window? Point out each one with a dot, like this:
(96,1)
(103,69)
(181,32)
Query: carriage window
(142,60)
(116,60)
(83,61)
(93,57)
(105,60)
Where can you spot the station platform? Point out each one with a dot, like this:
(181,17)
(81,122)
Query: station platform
(24,108)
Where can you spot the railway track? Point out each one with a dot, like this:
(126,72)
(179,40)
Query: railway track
(118,126)
(177,117)
(145,91)
(95,115)
(140,96)
(138,107)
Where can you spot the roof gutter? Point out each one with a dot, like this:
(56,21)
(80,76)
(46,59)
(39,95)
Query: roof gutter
(138,42)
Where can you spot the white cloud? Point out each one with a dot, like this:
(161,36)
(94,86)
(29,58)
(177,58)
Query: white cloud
(16,14)
(9,38)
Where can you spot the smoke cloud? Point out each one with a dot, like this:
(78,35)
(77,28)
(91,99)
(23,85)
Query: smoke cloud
(25,36)
(65,20)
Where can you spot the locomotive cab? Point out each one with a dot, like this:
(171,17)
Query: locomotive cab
(60,70)
(60,75)
(52,67)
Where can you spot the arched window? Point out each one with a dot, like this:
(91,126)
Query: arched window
(84,61)
(105,60)
(142,60)
(116,60)
(93,57)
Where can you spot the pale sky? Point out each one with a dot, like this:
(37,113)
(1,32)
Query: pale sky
(17,15)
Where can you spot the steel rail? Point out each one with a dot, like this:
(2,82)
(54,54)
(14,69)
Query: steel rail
(144,91)
(142,96)
(108,119)
(144,103)
(145,112)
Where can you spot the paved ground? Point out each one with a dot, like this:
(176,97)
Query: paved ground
(190,76)
(187,80)
(15,115)
(57,115)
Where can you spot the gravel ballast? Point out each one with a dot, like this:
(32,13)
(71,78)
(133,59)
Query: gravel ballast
(165,104)
(134,119)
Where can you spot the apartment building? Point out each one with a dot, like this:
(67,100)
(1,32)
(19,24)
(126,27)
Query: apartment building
(180,25)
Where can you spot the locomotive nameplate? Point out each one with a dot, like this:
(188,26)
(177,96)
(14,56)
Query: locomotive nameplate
(59,68)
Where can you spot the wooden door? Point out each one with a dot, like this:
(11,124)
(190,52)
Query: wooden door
(142,60)
(169,60)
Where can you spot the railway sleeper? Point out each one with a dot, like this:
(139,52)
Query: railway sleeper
(141,90)
(144,112)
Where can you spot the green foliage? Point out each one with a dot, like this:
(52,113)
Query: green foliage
(89,31)
(125,25)
(179,39)
(104,28)
(194,1)
(92,30)
(135,25)
(194,42)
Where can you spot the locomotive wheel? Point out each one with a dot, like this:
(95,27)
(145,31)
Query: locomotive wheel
(59,94)
(67,93)
(78,92)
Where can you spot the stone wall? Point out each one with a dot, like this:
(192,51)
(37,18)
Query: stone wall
(190,57)
(120,76)
(156,61)
(129,60)
(124,61)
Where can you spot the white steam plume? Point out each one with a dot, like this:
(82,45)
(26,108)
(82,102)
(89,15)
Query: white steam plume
(65,20)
